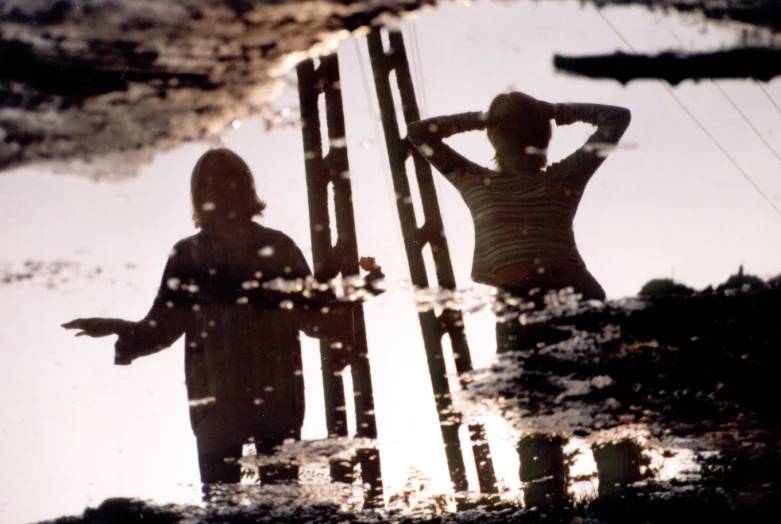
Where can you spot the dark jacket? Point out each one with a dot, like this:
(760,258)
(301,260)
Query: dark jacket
(238,305)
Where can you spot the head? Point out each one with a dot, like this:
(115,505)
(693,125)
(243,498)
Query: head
(222,189)
(519,129)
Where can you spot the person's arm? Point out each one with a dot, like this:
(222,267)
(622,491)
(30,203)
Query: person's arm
(160,328)
(611,123)
(318,312)
(427,136)
(167,318)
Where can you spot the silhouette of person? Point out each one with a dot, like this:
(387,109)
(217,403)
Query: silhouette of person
(238,292)
(523,211)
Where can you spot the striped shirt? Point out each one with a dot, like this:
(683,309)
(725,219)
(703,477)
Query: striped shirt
(521,217)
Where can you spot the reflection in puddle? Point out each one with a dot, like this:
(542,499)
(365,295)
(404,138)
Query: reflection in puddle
(640,400)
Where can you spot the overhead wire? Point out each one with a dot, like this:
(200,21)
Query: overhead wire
(767,94)
(698,123)
(378,141)
(418,67)
(746,119)
(735,106)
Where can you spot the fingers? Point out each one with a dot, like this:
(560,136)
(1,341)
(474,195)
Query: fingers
(368,263)
(93,327)
(83,323)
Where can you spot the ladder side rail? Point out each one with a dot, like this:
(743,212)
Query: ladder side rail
(430,326)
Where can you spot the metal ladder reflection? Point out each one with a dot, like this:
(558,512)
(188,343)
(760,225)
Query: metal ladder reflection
(431,233)
(332,260)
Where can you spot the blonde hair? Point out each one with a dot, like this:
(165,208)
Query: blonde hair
(222,185)
(517,122)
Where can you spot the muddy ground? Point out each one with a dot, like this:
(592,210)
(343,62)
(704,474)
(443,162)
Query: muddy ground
(97,87)
(672,368)
(104,85)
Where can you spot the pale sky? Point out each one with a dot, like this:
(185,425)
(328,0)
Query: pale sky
(76,429)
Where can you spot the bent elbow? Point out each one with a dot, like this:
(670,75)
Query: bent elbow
(624,117)
(416,132)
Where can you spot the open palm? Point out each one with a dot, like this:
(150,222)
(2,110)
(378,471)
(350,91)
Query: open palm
(99,327)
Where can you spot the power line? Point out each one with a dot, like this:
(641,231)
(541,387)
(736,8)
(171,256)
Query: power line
(735,106)
(419,66)
(698,123)
(770,98)
(745,118)
(376,130)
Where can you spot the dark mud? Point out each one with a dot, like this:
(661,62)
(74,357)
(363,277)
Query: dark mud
(667,504)
(684,363)
(757,63)
(673,370)
(100,86)
(760,13)
(117,80)
(51,274)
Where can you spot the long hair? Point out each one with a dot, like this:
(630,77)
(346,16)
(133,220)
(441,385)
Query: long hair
(222,186)
(518,126)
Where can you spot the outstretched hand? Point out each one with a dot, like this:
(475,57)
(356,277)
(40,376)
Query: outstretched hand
(369,264)
(99,327)
(548,110)
(373,280)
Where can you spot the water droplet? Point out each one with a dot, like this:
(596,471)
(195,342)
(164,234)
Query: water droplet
(203,401)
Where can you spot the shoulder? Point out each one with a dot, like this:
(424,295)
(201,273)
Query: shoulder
(187,246)
(578,163)
(270,236)
(277,243)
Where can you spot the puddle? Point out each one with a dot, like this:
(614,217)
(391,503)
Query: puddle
(652,407)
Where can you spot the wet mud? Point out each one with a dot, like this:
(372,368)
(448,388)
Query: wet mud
(672,372)
(758,63)
(104,85)
(107,84)
(691,362)
(99,86)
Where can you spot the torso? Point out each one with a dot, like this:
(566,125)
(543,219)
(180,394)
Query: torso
(521,221)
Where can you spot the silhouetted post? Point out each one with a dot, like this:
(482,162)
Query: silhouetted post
(618,465)
(450,322)
(486,475)
(332,260)
(543,469)
(371,477)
